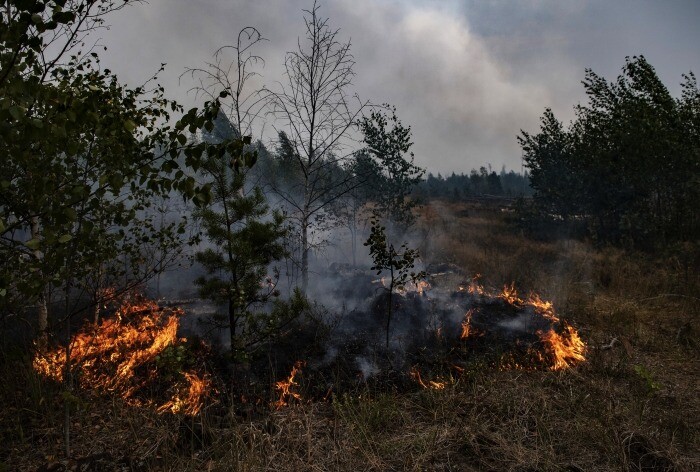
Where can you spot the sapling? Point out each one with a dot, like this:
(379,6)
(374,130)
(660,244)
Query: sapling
(399,264)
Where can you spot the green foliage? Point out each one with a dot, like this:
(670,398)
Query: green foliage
(246,238)
(390,178)
(173,361)
(398,263)
(647,379)
(629,165)
(83,156)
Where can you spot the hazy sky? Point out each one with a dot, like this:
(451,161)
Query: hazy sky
(465,75)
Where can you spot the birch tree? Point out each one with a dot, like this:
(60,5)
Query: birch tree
(316,113)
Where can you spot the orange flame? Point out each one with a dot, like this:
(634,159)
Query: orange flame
(285,386)
(474,287)
(431,384)
(107,356)
(466,325)
(566,349)
(542,307)
(560,351)
(191,403)
(510,295)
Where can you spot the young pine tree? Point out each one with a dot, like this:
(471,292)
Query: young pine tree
(246,238)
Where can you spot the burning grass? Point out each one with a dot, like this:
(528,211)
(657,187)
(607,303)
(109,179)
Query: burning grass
(135,355)
(482,401)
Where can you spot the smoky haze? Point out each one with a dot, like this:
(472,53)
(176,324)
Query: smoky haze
(466,75)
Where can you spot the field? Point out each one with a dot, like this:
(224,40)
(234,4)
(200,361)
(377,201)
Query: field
(632,406)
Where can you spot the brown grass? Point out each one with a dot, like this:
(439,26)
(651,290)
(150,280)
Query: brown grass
(632,407)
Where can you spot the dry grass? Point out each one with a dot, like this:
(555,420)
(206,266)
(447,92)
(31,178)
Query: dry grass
(632,407)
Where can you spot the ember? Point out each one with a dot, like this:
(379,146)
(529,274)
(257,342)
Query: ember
(120,356)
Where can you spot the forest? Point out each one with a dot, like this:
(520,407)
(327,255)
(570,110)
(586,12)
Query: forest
(183,291)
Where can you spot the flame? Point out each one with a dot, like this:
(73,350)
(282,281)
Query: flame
(542,307)
(510,295)
(566,348)
(419,286)
(117,356)
(285,386)
(474,287)
(466,325)
(191,403)
(431,384)
(558,349)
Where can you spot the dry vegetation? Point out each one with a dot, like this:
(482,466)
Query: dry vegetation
(633,406)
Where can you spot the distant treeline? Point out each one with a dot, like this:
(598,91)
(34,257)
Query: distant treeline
(484,182)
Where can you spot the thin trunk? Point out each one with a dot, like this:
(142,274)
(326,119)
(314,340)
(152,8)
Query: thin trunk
(232,323)
(304,253)
(68,383)
(98,294)
(388,317)
(43,315)
(353,236)
(391,307)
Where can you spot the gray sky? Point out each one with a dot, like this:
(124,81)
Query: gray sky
(465,75)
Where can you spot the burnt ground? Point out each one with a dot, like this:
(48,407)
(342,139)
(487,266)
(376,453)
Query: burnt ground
(632,406)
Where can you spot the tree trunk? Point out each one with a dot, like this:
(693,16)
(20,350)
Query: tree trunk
(67,381)
(388,315)
(353,236)
(304,253)
(43,315)
(98,295)
(390,308)
(232,324)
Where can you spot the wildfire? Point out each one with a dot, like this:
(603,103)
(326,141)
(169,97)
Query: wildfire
(542,307)
(284,387)
(420,287)
(190,403)
(566,348)
(474,287)
(118,356)
(560,346)
(431,384)
(510,295)
(466,325)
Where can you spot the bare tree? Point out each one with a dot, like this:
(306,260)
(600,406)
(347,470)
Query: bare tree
(317,114)
(227,78)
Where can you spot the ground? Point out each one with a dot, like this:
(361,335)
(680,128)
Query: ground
(632,406)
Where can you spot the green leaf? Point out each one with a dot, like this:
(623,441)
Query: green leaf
(16,112)
(71,214)
(130,126)
(33,244)
(65,238)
